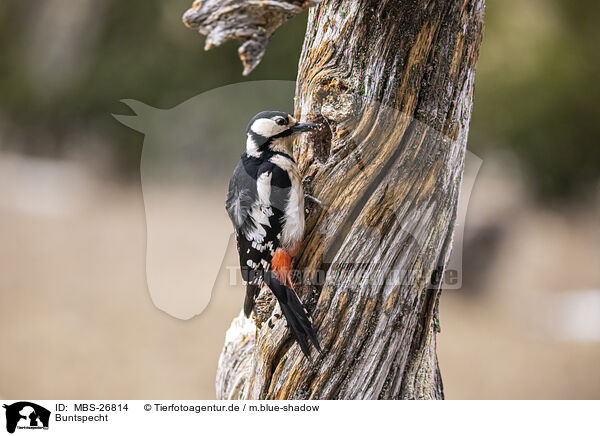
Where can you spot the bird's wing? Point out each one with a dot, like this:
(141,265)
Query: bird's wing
(241,196)
(257,198)
(248,206)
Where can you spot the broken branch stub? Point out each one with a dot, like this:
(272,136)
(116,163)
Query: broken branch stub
(252,22)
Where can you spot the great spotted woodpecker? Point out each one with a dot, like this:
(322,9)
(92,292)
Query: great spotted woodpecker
(265,203)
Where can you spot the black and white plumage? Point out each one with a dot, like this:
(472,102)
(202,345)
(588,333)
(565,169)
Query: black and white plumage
(265,203)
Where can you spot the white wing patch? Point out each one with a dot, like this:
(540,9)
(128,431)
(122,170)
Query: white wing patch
(261,209)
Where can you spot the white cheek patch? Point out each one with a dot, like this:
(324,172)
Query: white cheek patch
(267,127)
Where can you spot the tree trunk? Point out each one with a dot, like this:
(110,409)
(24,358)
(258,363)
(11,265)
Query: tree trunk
(393,82)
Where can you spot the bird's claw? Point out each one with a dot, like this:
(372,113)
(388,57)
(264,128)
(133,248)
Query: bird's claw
(314,199)
(270,322)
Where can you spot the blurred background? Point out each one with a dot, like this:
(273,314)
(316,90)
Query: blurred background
(76,318)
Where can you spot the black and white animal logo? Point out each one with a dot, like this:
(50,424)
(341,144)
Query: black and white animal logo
(26,415)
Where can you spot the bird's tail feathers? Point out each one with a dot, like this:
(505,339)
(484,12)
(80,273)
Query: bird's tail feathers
(295,313)
(251,294)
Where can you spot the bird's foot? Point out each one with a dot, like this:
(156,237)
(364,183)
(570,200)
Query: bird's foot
(270,322)
(314,199)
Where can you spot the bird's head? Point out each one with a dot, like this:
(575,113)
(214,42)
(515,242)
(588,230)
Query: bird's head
(273,130)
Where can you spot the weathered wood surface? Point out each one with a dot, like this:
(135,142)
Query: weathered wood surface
(252,22)
(393,82)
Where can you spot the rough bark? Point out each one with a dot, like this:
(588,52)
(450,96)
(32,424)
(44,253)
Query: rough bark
(252,22)
(393,82)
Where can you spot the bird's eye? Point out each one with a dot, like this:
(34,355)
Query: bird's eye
(281,121)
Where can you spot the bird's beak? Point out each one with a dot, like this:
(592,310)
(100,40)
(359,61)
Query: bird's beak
(305,127)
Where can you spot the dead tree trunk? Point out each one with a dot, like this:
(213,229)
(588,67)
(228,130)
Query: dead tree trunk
(393,82)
